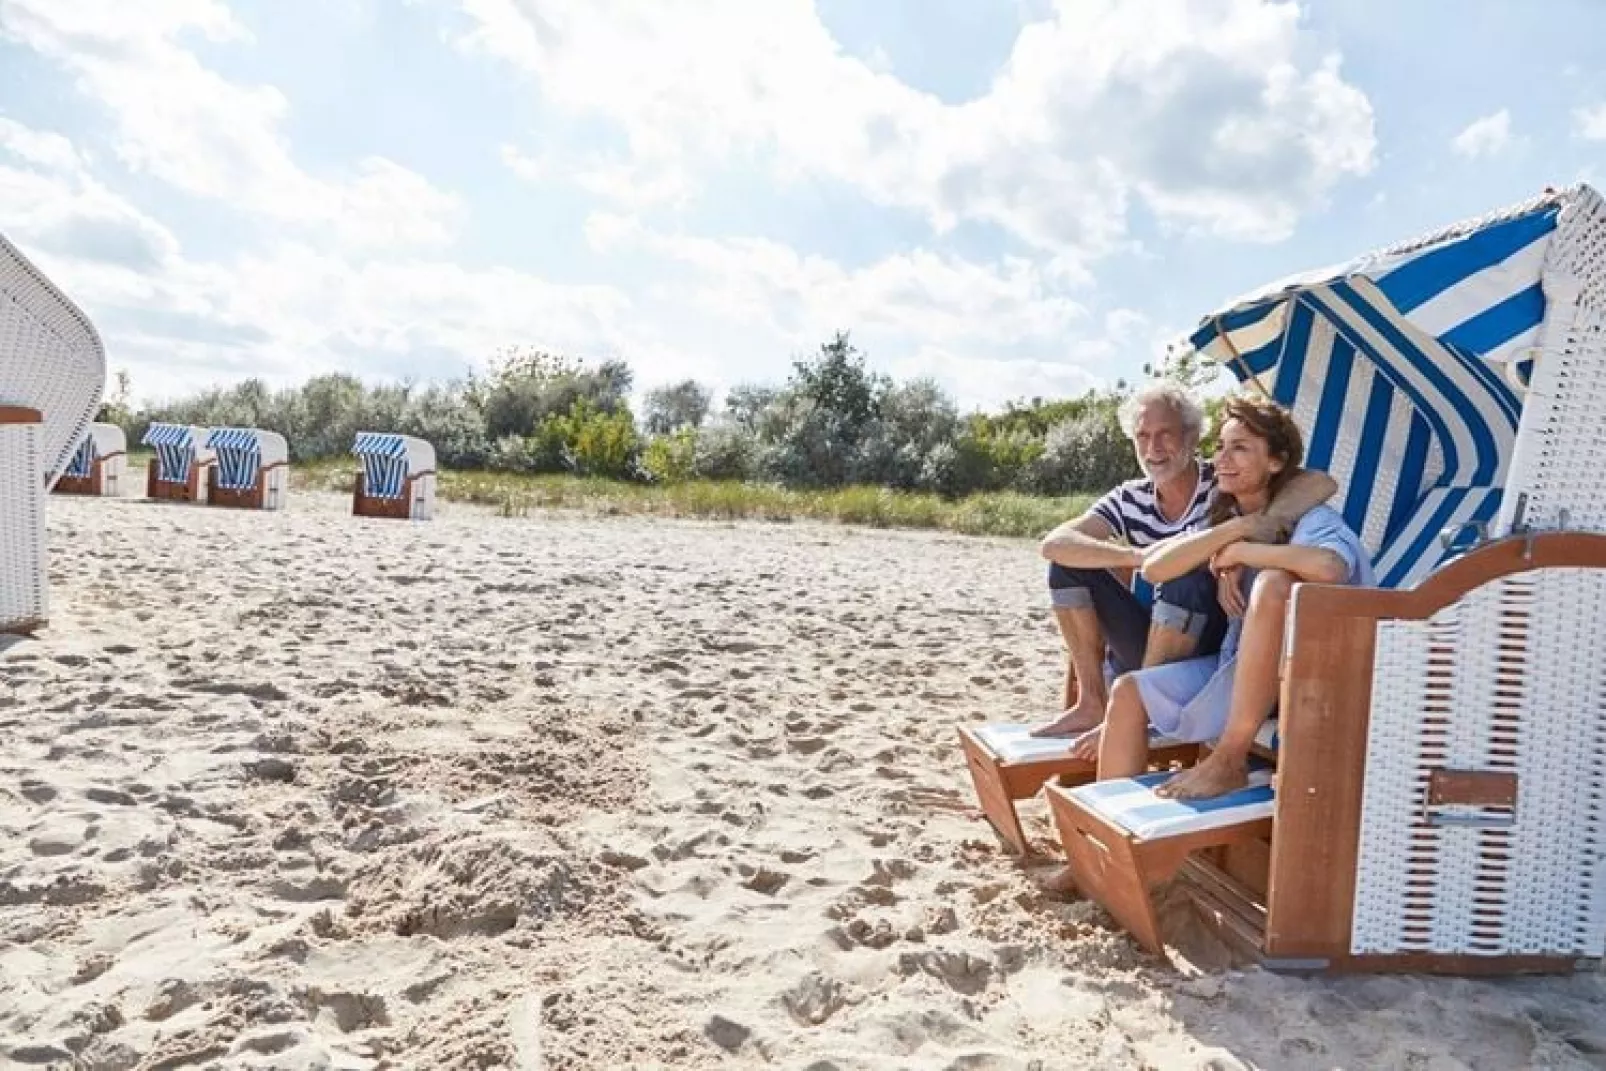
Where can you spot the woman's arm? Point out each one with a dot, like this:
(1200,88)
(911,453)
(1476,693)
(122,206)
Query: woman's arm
(1181,554)
(1315,564)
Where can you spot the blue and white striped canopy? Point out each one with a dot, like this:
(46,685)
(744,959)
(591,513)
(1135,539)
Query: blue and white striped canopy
(239,457)
(169,435)
(1406,371)
(379,444)
(83,460)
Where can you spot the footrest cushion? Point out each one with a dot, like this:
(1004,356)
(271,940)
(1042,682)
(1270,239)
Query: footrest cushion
(1131,804)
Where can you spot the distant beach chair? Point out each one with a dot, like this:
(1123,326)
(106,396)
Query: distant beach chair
(178,472)
(1439,795)
(99,465)
(251,469)
(52,375)
(397,477)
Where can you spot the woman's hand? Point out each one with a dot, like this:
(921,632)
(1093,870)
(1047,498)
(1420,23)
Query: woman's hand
(1228,557)
(1230,591)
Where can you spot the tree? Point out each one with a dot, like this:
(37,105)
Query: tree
(680,405)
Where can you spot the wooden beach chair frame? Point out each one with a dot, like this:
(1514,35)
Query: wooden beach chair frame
(197,479)
(414,494)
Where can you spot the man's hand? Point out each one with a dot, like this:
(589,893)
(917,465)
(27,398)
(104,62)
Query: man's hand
(1262,527)
(1230,591)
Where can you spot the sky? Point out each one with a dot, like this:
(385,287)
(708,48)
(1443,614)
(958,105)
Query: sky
(1016,198)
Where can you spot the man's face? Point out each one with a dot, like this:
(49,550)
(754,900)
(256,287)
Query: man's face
(1162,444)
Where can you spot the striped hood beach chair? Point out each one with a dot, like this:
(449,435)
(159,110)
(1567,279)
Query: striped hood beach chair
(252,468)
(397,478)
(1437,731)
(98,466)
(52,375)
(178,473)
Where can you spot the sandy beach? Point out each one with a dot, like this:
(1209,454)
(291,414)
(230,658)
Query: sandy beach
(302,791)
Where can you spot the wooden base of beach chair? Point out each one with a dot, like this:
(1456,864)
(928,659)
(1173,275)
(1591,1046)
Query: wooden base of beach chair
(191,490)
(79,485)
(365,505)
(254,497)
(1120,872)
(1000,782)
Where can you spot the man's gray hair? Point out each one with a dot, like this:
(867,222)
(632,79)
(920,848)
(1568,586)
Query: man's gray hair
(1163,392)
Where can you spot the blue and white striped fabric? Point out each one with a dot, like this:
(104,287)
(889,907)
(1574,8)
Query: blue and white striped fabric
(239,457)
(1405,370)
(384,462)
(83,462)
(1130,803)
(175,451)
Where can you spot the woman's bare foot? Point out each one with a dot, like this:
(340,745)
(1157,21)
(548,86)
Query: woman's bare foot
(1087,713)
(1086,747)
(1215,776)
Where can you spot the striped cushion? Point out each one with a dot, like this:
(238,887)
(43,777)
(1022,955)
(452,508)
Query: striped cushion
(1130,803)
(1012,742)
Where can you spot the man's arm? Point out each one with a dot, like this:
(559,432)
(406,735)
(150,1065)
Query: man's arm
(1305,490)
(1087,543)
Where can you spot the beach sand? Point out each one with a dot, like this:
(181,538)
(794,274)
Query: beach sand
(302,791)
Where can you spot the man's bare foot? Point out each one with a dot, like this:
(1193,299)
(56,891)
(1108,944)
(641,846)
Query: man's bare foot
(1214,776)
(1079,719)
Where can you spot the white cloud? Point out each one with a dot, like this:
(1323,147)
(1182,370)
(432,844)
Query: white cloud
(1483,137)
(1589,122)
(1204,111)
(182,122)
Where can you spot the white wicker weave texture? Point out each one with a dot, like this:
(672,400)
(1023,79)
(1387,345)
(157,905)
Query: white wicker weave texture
(50,359)
(23,577)
(1560,458)
(1501,682)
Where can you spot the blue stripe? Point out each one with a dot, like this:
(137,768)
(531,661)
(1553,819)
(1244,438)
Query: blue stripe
(1419,281)
(1499,324)
(1233,321)
(1370,449)
(384,477)
(83,460)
(1405,382)
(1324,436)
(1297,339)
(1425,539)
(1408,491)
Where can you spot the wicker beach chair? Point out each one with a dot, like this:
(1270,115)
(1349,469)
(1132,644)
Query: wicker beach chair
(397,478)
(179,471)
(99,465)
(1439,800)
(251,471)
(52,375)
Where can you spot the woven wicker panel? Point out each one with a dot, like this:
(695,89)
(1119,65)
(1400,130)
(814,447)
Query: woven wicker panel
(22,527)
(1506,680)
(50,359)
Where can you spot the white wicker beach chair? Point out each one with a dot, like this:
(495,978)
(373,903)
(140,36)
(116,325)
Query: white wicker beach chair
(178,473)
(397,478)
(99,465)
(1440,795)
(52,375)
(251,469)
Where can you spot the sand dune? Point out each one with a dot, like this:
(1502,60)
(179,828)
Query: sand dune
(300,791)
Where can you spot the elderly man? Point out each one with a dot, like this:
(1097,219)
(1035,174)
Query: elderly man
(1103,623)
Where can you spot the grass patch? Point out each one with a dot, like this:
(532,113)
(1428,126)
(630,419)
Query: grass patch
(1003,513)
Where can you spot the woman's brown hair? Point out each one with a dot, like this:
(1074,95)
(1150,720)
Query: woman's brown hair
(1266,420)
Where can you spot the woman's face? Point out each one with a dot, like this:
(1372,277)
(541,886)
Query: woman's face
(1244,465)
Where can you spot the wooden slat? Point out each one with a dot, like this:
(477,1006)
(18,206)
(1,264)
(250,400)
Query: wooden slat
(17,414)
(1472,788)
(1326,696)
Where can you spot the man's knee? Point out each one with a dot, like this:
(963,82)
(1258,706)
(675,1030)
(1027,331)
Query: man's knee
(1188,604)
(1194,592)
(1071,589)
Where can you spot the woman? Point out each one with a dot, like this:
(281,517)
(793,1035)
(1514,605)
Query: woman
(1229,695)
